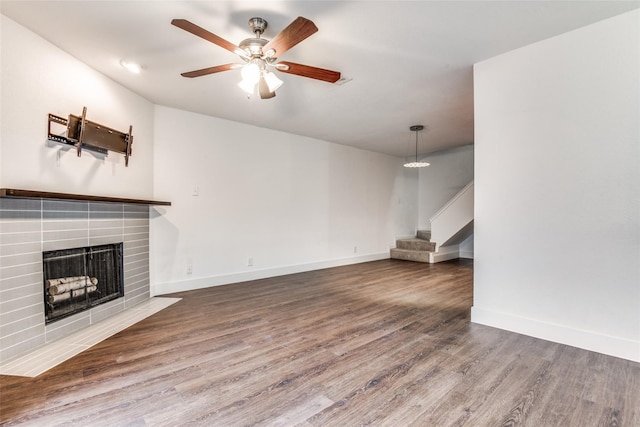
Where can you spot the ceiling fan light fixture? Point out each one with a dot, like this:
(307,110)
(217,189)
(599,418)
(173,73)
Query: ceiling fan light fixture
(247,86)
(250,76)
(250,73)
(416,163)
(272,81)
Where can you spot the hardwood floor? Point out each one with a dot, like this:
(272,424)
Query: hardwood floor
(385,343)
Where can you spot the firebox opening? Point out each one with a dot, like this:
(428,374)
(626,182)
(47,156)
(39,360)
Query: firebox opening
(80,278)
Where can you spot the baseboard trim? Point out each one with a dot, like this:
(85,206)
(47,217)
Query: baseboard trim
(466,254)
(588,340)
(444,253)
(226,279)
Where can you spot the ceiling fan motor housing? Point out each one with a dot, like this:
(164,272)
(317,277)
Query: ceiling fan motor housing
(253,46)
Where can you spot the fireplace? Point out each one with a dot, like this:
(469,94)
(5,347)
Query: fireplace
(77,279)
(32,223)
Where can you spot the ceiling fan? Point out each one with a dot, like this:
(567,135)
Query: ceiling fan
(260,55)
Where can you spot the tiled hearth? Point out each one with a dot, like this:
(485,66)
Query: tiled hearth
(30,226)
(46,357)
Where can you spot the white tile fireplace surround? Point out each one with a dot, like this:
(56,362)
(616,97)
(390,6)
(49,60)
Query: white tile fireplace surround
(30,226)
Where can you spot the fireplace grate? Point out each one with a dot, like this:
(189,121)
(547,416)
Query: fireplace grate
(80,278)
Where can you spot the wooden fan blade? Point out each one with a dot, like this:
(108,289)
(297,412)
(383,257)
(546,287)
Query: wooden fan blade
(298,30)
(210,70)
(263,88)
(202,33)
(308,71)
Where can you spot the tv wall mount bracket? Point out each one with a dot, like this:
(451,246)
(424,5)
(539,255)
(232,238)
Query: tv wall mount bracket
(85,134)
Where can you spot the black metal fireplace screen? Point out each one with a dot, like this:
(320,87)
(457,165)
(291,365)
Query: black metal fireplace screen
(80,278)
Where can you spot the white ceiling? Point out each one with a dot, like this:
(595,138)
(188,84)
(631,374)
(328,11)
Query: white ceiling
(410,62)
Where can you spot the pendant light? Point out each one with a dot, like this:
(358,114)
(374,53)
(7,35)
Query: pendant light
(416,163)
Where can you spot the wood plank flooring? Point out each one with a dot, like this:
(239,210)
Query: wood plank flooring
(385,343)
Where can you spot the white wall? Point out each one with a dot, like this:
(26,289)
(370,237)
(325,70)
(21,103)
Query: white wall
(37,78)
(288,202)
(466,248)
(557,213)
(449,172)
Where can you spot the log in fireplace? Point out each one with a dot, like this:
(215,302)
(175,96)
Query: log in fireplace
(80,278)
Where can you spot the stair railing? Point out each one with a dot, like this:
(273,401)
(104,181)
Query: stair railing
(453,216)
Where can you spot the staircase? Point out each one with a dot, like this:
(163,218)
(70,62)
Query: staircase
(417,249)
(450,226)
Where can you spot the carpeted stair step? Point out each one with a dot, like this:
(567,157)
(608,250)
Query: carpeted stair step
(416,245)
(410,255)
(424,234)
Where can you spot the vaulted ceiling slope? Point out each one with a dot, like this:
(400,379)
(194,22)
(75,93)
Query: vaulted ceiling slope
(406,62)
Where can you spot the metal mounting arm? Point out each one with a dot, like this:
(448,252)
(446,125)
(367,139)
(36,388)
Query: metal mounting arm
(85,134)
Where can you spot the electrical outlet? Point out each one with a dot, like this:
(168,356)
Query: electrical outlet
(355,249)
(189,268)
(250,262)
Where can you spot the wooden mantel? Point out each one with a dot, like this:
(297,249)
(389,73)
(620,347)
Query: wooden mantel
(30,194)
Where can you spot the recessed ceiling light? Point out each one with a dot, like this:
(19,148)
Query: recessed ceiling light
(131,66)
